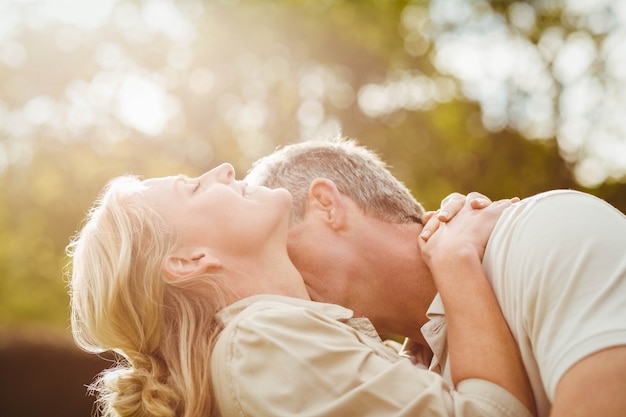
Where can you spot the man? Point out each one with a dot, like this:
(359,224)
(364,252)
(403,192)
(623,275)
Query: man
(556,262)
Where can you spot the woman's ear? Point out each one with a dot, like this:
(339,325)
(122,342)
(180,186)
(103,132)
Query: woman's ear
(325,197)
(188,261)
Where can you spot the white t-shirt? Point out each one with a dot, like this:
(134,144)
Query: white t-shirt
(557,264)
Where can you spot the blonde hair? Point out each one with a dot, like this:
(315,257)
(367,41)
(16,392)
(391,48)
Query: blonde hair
(358,173)
(162,330)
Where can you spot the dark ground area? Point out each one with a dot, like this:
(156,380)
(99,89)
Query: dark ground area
(45,375)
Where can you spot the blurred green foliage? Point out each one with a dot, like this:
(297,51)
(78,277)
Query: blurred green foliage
(234,80)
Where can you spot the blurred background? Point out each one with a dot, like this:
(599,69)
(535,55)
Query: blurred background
(508,98)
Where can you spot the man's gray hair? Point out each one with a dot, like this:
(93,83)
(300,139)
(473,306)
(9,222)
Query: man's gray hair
(358,173)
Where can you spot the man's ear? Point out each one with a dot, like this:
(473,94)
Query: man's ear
(327,199)
(189,261)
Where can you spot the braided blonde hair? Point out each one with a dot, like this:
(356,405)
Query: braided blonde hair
(161,330)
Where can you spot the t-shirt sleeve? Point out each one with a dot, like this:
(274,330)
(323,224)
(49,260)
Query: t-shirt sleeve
(568,260)
(286,361)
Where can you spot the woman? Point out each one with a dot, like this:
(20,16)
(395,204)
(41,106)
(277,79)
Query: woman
(189,281)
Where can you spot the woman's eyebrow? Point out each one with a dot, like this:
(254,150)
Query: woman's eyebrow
(178,179)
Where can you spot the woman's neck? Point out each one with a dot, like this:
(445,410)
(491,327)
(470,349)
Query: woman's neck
(266,275)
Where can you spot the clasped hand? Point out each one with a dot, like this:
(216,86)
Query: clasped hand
(461,227)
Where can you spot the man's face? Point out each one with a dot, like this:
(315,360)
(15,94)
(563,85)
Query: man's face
(370,266)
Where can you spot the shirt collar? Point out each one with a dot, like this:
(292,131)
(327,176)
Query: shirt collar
(334,311)
(435,333)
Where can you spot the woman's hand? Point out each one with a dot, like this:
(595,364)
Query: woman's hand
(466,233)
(480,344)
(450,206)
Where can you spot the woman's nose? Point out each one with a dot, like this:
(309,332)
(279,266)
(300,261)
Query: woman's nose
(224,173)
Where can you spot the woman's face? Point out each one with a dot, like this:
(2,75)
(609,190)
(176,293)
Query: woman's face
(216,211)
